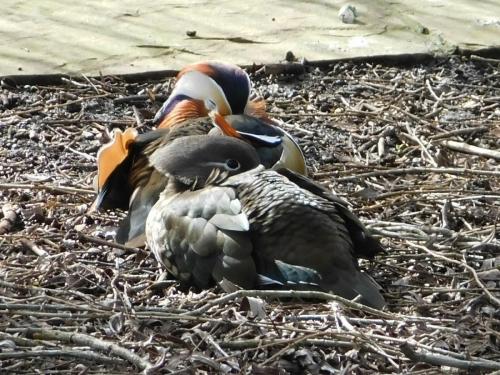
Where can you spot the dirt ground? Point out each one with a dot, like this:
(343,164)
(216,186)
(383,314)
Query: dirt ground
(413,149)
(125,36)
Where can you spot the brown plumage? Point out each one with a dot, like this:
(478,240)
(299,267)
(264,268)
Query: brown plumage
(134,185)
(231,222)
(124,179)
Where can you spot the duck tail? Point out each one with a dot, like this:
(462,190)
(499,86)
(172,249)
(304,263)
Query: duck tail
(358,286)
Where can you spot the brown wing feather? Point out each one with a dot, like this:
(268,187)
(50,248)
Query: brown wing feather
(301,228)
(188,233)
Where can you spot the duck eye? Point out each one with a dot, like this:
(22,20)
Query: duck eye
(232,164)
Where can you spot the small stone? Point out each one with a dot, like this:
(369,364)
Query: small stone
(348,14)
(80,227)
(33,135)
(87,135)
(82,208)
(290,57)
(109,235)
(69,244)
(73,107)
(191,33)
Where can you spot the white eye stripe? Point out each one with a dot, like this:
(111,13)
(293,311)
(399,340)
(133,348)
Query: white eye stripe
(231,164)
(228,165)
(215,164)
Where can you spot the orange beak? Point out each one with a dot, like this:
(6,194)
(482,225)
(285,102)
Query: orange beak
(223,125)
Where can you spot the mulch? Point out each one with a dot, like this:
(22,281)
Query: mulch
(415,151)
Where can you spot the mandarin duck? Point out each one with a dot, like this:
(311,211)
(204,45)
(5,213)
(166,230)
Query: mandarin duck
(227,87)
(135,184)
(224,219)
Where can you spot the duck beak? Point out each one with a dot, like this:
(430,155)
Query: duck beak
(224,126)
(292,156)
(193,86)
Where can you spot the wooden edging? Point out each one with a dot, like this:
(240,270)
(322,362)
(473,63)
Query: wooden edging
(292,68)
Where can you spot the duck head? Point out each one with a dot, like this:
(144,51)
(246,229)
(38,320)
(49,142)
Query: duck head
(275,147)
(226,85)
(192,160)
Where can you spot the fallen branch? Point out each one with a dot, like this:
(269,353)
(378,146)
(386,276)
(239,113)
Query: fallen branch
(475,130)
(50,188)
(485,59)
(490,296)
(37,289)
(21,341)
(115,245)
(30,245)
(291,344)
(411,115)
(132,99)
(259,343)
(422,145)
(442,360)
(470,149)
(52,106)
(78,354)
(93,342)
(49,307)
(415,170)
(290,294)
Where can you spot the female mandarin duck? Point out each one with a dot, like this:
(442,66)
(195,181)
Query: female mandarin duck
(223,218)
(228,88)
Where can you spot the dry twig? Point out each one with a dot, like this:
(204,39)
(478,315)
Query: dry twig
(470,149)
(93,342)
(473,272)
(442,360)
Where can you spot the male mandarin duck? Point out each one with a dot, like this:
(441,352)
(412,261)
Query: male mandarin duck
(224,219)
(225,86)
